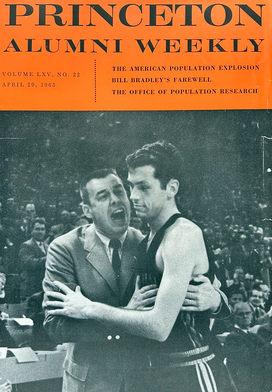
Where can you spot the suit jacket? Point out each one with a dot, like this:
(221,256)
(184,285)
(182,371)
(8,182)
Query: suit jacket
(32,260)
(98,354)
(249,359)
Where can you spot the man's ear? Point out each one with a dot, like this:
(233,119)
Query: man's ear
(172,187)
(87,211)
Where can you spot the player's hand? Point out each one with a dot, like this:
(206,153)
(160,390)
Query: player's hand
(142,298)
(202,296)
(68,303)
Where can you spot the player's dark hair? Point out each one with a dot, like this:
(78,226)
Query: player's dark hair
(163,156)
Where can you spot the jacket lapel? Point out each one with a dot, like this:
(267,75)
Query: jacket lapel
(98,257)
(38,249)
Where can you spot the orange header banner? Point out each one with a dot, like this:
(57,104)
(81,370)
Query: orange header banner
(76,55)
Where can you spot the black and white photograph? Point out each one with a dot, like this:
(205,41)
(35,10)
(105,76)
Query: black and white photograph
(136,251)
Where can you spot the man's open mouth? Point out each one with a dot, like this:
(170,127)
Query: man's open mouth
(118,214)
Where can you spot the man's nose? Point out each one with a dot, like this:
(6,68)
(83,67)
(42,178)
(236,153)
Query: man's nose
(134,194)
(114,198)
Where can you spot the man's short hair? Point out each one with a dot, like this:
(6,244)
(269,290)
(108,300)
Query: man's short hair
(163,156)
(255,288)
(238,305)
(101,173)
(41,221)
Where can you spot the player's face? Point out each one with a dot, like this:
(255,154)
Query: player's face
(146,194)
(109,206)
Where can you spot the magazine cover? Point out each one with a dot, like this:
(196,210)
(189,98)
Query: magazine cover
(83,86)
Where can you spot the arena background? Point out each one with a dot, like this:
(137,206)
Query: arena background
(42,153)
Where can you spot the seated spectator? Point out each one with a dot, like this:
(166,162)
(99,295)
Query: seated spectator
(73,218)
(32,256)
(252,260)
(220,269)
(64,227)
(226,325)
(266,266)
(81,221)
(30,216)
(259,316)
(249,281)
(235,298)
(237,283)
(266,304)
(249,357)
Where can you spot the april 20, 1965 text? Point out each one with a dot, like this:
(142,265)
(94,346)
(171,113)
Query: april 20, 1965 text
(28,84)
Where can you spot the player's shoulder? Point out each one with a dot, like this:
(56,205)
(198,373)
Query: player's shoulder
(183,226)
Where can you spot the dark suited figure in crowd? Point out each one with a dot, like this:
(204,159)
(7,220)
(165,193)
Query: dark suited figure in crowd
(39,339)
(266,297)
(255,301)
(25,224)
(32,257)
(221,271)
(238,282)
(249,357)
(64,227)
(227,324)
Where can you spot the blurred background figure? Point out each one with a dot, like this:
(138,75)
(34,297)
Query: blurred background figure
(39,338)
(5,338)
(249,357)
(32,257)
(63,227)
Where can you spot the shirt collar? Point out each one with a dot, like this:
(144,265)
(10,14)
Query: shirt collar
(244,330)
(106,240)
(38,242)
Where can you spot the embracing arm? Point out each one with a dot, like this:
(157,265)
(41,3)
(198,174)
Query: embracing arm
(204,295)
(180,253)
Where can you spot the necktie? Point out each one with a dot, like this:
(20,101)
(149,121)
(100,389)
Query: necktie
(116,262)
(41,246)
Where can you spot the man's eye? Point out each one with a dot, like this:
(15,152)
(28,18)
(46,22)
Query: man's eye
(120,192)
(103,197)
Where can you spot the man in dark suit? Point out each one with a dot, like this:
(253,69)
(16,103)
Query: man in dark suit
(32,256)
(62,228)
(249,357)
